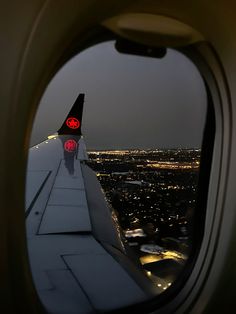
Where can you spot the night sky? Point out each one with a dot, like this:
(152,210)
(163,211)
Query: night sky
(130,101)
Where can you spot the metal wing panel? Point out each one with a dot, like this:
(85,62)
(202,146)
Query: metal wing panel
(68,216)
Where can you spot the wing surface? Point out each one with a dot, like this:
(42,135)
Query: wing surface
(78,260)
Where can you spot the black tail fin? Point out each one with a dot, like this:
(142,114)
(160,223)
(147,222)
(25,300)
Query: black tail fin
(73,122)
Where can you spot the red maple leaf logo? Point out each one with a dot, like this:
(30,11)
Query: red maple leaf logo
(70,145)
(73,123)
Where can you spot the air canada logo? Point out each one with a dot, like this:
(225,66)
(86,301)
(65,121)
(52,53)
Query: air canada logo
(70,146)
(73,123)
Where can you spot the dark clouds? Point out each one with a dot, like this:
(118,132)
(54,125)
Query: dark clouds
(129,101)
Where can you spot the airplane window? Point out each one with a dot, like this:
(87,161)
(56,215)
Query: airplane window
(143,125)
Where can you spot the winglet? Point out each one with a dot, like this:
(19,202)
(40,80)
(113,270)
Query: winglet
(73,122)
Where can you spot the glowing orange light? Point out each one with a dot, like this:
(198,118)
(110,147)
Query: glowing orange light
(70,146)
(73,123)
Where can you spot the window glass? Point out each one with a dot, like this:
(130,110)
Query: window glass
(143,126)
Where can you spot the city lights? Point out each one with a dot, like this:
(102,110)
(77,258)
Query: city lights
(153,193)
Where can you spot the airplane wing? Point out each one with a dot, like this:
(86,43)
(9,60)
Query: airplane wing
(78,259)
